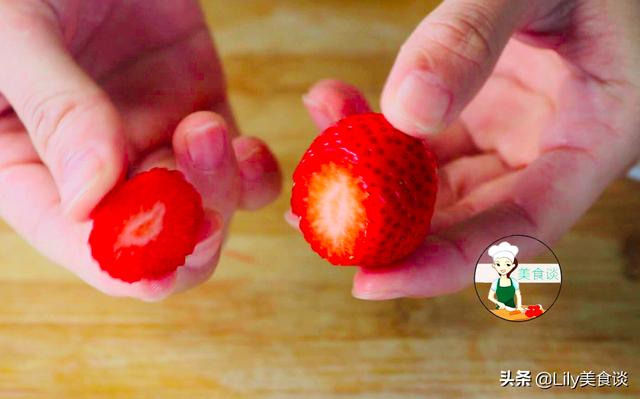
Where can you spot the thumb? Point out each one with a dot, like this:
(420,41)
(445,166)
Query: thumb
(72,124)
(446,60)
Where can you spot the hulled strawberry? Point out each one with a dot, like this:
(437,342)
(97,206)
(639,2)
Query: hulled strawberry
(145,227)
(364,192)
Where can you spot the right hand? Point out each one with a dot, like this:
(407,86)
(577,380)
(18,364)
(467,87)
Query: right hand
(91,89)
(532,110)
(501,305)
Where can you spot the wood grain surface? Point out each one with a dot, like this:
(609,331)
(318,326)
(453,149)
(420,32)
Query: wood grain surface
(276,321)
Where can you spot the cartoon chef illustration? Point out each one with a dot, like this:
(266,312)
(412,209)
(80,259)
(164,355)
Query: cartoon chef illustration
(505,288)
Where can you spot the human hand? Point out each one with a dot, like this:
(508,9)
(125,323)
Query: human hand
(501,305)
(531,109)
(90,90)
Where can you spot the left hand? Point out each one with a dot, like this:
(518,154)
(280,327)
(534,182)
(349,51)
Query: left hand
(92,89)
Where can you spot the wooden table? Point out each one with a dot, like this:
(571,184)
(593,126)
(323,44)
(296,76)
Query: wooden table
(277,322)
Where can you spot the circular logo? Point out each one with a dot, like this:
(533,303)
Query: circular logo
(511,289)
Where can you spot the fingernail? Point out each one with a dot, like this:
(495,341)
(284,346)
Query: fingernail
(207,146)
(376,295)
(421,102)
(80,173)
(250,158)
(292,219)
(209,243)
(252,169)
(371,286)
(212,223)
(319,114)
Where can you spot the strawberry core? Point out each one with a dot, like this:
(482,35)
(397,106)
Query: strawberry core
(142,228)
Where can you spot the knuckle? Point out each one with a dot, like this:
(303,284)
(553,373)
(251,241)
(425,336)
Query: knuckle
(524,217)
(47,116)
(26,15)
(468,34)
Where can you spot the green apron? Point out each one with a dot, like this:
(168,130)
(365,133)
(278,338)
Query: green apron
(505,294)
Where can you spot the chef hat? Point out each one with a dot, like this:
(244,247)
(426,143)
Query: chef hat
(503,250)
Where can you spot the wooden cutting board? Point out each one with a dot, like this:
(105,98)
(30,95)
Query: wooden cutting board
(276,321)
(512,315)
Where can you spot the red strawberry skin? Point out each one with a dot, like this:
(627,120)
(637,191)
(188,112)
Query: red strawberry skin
(533,311)
(365,192)
(145,227)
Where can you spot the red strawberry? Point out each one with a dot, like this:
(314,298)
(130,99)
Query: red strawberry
(364,192)
(533,311)
(144,228)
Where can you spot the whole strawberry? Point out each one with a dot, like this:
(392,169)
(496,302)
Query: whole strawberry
(145,227)
(365,192)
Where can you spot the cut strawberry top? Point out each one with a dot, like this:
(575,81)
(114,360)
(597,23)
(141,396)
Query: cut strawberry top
(336,209)
(145,228)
